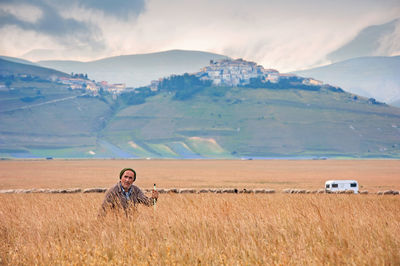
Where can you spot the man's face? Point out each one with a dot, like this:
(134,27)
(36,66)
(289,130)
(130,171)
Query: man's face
(127,179)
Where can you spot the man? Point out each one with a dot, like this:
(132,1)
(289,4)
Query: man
(125,195)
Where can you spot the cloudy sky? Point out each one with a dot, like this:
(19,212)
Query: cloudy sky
(286,35)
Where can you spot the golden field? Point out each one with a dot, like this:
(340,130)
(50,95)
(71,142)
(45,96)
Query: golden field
(372,175)
(207,229)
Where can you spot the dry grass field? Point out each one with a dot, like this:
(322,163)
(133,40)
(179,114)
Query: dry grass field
(372,175)
(206,229)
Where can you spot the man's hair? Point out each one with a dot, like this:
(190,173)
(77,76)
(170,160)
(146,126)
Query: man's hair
(127,169)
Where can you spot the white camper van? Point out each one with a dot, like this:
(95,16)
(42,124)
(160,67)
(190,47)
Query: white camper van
(341,185)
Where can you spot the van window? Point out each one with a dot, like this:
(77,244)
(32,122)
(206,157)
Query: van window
(334,185)
(353,185)
(327,185)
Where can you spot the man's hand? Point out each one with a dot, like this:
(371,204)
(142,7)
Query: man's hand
(154,194)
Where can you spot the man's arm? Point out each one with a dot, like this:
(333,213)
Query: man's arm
(108,202)
(143,199)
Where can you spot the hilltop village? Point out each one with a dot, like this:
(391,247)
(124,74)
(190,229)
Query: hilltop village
(238,72)
(79,81)
(235,72)
(73,82)
(225,72)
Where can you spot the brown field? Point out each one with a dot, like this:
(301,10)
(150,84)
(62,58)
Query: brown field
(372,175)
(207,229)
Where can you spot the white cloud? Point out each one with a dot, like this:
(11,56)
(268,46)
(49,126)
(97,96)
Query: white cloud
(286,35)
(390,44)
(28,13)
(16,41)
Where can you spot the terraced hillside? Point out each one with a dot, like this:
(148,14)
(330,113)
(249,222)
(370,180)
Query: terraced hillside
(257,123)
(42,118)
(45,119)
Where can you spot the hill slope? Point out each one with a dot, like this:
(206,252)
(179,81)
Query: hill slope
(258,123)
(18,60)
(229,123)
(38,117)
(369,42)
(15,68)
(137,70)
(376,77)
(41,118)
(396,103)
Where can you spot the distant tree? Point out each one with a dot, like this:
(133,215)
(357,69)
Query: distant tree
(30,99)
(372,101)
(334,89)
(8,83)
(135,97)
(185,86)
(102,91)
(282,84)
(28,78)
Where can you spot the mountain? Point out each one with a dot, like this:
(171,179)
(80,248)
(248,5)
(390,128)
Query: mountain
(17,60)
(285,120)
(137,70)
(39,116)
(14,68)
(377,77)
(245,122)
(376,40)
(395,103)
